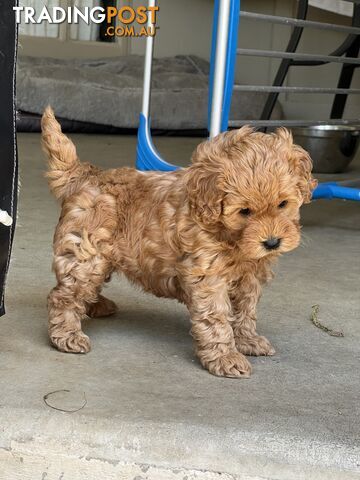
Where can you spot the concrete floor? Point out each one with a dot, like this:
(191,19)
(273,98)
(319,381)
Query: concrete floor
(152,412)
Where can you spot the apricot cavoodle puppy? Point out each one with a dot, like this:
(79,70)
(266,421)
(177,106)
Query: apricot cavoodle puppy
(205,235)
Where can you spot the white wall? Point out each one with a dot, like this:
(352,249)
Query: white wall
(185,28)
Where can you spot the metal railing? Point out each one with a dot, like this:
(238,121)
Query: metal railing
(346,55)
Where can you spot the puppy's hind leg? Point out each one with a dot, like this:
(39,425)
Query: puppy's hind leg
(77,288)
(81,262)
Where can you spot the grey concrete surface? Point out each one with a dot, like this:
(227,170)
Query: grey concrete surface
(152,412)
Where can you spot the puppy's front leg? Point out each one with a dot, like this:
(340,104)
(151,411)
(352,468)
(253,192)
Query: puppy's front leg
(244,296)
(210,311)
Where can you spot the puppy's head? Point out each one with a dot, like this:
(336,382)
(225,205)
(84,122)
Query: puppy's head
(247,187)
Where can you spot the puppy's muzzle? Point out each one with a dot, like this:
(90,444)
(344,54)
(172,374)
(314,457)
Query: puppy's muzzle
(272,243)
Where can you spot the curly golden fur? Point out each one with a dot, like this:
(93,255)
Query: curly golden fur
(205,235)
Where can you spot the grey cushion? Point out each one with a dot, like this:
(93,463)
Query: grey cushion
(108,91)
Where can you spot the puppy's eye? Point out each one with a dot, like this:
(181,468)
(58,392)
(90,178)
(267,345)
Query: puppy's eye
(283,204)
(245,212)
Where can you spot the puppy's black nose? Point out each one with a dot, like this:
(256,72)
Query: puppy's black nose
(272,243)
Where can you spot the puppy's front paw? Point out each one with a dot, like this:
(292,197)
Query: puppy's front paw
(72,342)
(233,365)
(255,345)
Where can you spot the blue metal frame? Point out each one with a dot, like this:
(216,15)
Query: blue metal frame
(212,58)
(230,63)
(149,159)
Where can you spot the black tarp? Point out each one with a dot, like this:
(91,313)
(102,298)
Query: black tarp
(8,149)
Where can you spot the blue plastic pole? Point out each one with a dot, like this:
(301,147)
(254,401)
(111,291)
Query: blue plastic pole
(333,190)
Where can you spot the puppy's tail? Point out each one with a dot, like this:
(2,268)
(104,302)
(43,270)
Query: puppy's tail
(65,171)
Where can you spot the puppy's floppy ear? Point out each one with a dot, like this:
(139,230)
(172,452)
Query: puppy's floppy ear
(203,183)
(205,177)
(301,164)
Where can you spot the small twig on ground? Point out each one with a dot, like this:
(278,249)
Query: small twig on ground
(318,324)
(45,398)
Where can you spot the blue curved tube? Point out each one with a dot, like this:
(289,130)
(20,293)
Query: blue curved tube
(333,190)
(147,157)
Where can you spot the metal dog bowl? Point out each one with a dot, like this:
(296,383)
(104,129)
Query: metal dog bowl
(331,147)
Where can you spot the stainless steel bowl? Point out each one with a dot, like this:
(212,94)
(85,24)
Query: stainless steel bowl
(331,147)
